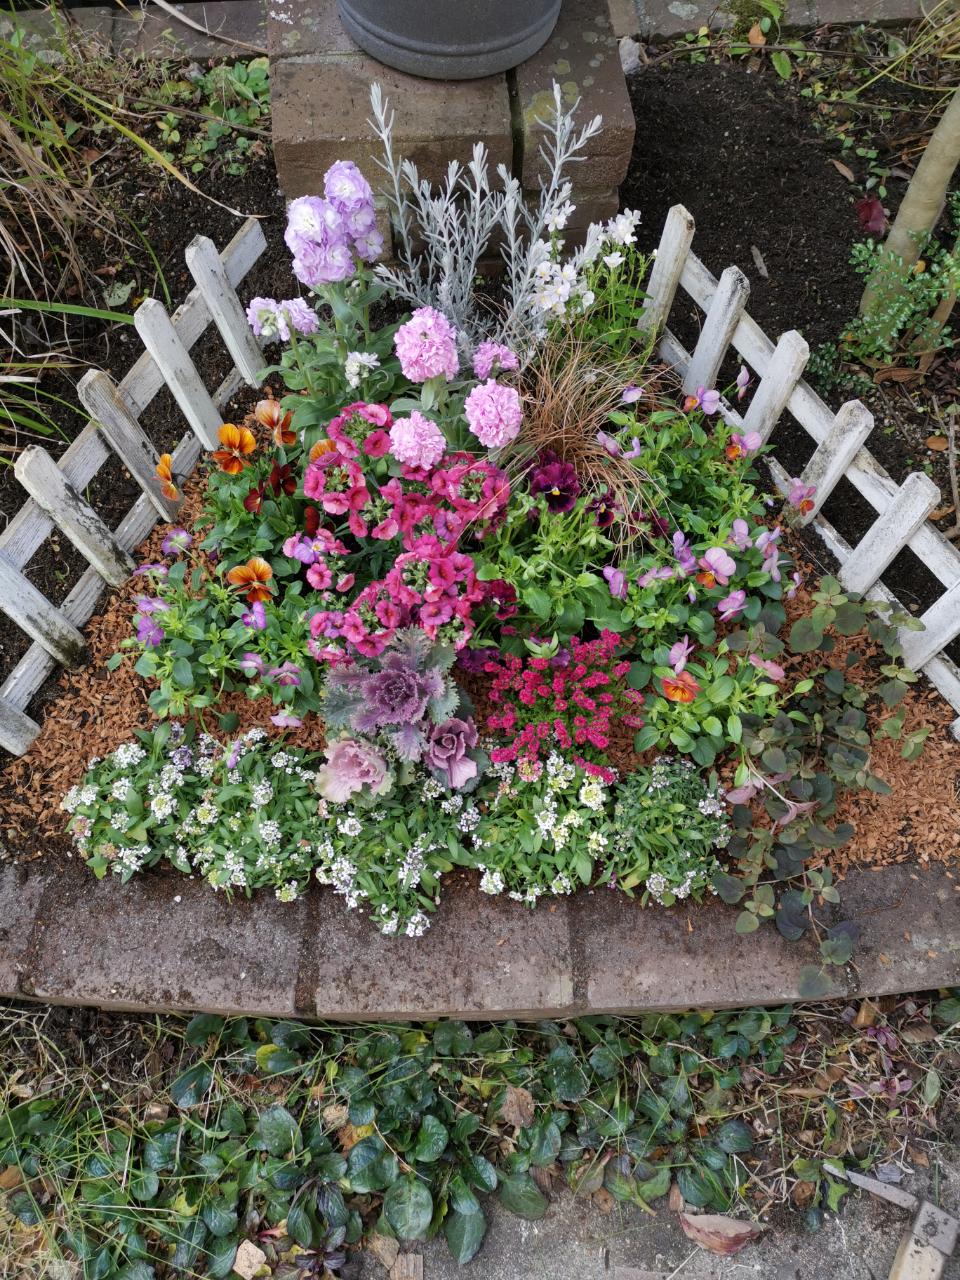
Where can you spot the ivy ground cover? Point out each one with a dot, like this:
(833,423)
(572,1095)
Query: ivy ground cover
(503,599)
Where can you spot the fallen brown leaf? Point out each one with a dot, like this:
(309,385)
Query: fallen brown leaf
(10,1178)
(517,1108)
(937,443)
(756,37)
(843,170)
(713,1232)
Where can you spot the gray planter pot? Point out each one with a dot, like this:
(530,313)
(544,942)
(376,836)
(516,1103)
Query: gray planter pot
(450,39)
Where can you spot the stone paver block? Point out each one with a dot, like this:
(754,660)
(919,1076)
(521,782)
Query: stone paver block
(879,12)
(42,28)
(665,19)
(21,890)
(166,942)
(648,958)
(583,57)
(306,28)
(623,18)
(154,33)
(481,957)
(321,109)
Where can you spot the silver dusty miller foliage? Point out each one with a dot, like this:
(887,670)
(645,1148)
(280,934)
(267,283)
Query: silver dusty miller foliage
(456,222)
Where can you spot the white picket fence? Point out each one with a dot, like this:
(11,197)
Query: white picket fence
(54,486)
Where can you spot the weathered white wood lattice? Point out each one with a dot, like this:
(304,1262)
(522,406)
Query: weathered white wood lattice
(54,487)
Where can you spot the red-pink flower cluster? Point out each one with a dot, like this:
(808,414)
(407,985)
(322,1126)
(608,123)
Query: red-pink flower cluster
(431,584)
(569,705)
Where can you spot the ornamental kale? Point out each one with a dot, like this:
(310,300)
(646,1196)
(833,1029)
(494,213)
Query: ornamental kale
(406,698)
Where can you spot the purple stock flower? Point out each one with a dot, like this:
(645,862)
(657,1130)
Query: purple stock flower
(177,540)
(346,188)
(616,580)
(427,346)
(317,236)
(271,319)
(489,355)
(493,413)
(558,483)
(731,605)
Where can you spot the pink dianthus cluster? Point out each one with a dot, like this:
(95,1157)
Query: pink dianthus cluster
(571,706)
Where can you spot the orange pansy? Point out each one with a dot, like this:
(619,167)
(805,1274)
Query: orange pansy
(269,414)
(165,476)
(237,443)
(320,448)
(706,578)
(253,577)
(680,688)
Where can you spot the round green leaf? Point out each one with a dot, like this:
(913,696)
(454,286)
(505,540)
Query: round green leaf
(279,1132)
(464,1233)
(431,1140)
(521,1195)
(408,1206)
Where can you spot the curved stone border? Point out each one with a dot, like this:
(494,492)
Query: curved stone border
(171,943)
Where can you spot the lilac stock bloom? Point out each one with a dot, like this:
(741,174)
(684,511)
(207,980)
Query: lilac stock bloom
(686,560)
(740,535)
(489,355)
(149,631)
(731,605)
(287,674)
(631,394)
(318,238)
(347,189)
(616,580)
(679,653)
(251,664)
(177,540)
(611,445)
(256,617)
(271,319)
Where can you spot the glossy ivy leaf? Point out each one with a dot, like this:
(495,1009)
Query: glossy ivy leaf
(371,1166)
(464,1233)
(408,1206)
(221,1255)
(279,1132)
(431,1140)
(191,1086)
(299,1225)
(201,1028)
(521,1195)
(480,1173)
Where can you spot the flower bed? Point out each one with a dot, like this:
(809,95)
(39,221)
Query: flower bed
(513,603)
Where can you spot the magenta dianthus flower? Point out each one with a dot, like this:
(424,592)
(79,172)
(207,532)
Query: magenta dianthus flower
(417,442)
(427,346)
(494,413)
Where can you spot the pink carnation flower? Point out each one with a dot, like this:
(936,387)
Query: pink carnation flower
(417,442)
(489,354)
(426,346)
(494,413)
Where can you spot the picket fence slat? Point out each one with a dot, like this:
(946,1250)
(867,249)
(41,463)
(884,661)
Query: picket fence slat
(101,398)
(941,625)
(33,613)
(17,730)
(723,316)
(890,532)
(783,372)
(44,481)
(667,266)
(224,306)
(191,318)
(180,373)
(840,446)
